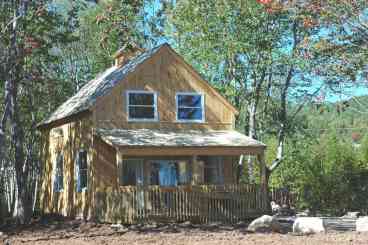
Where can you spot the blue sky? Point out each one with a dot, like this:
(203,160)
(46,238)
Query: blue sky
(346,92)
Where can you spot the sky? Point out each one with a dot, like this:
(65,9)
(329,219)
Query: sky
(347,93)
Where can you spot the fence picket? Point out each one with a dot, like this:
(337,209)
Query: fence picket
(227,203)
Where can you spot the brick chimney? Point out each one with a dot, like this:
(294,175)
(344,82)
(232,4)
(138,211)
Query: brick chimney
(126,53)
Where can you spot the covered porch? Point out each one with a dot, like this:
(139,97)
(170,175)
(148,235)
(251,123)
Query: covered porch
(180,175)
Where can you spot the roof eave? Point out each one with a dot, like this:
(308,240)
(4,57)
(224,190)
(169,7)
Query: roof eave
(63,120)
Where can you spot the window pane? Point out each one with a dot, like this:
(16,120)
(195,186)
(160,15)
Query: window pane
(58,179)
(83,160)
(132,172)
(190,114)
(214,169)
(83,179)
(137,112)
(183,172)
(155,169)
(189,100)
(141,99)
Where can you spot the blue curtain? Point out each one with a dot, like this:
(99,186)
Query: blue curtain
(168,174)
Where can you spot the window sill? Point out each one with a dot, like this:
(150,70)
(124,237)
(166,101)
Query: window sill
(83,190)
(142,120)
(190,121)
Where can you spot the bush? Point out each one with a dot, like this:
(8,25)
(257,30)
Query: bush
(329,174)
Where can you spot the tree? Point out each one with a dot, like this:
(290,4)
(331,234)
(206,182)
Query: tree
(258,53)
(28,30)
(231,43)
(48,51)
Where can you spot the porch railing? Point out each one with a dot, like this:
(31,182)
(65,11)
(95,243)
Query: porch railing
(200,204)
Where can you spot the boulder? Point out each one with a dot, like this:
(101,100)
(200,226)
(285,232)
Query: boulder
(362,224)
(304,213)
(186,224)
(265,223)
(308,225)
(241,224)
(352,215)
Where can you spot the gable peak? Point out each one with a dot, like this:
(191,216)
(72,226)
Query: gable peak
(126,53)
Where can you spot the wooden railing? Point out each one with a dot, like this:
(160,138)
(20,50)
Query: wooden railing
(200,204)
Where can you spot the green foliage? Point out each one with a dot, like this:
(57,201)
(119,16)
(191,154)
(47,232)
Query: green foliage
(328,173)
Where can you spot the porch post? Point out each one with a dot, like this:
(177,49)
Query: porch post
(264,181)
(119,162)
(197,171)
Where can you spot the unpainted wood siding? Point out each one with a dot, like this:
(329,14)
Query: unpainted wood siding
(165,74)
(67,140)
(104,165)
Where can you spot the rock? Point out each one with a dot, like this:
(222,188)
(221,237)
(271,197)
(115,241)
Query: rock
(117,226)
(285,210)
(305,213)
(86,226)
(186,224)
(240,224)
(275,207)
(362,224)
(265,223)
(211,226)
(352,215)
(308,225)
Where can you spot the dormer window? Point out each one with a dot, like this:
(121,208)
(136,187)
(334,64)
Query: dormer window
(142,106)
(190,107)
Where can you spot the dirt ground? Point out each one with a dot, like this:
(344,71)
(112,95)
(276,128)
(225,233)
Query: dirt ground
(77,232)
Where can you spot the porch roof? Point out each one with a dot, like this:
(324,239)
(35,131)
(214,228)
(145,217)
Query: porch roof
(188,139)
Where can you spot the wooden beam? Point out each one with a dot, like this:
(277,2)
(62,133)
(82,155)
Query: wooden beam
(58,122)
(182,151)
(197,171)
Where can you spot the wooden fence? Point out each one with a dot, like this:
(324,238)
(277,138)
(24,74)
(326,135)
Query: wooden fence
(199,204)
(283,196)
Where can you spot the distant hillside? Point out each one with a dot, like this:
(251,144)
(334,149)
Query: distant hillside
(349,117)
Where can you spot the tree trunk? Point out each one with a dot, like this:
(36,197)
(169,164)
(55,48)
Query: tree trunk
(252,108)
(23,209)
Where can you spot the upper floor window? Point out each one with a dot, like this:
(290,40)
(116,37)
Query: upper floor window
(190,107)
(141,105)
(59,174)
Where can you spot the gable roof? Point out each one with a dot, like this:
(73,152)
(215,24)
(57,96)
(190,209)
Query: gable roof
(86,97)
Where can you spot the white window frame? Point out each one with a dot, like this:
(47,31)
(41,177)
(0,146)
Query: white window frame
(155,119)
(190,120)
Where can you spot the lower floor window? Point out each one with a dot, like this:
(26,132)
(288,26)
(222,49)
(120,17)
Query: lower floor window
(59,173)
(131,172)
(81,170)
(213,170)
(169,173)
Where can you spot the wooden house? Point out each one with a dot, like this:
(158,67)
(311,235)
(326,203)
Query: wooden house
(148,138)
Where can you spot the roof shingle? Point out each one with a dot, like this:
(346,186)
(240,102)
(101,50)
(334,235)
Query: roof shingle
(171,138)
